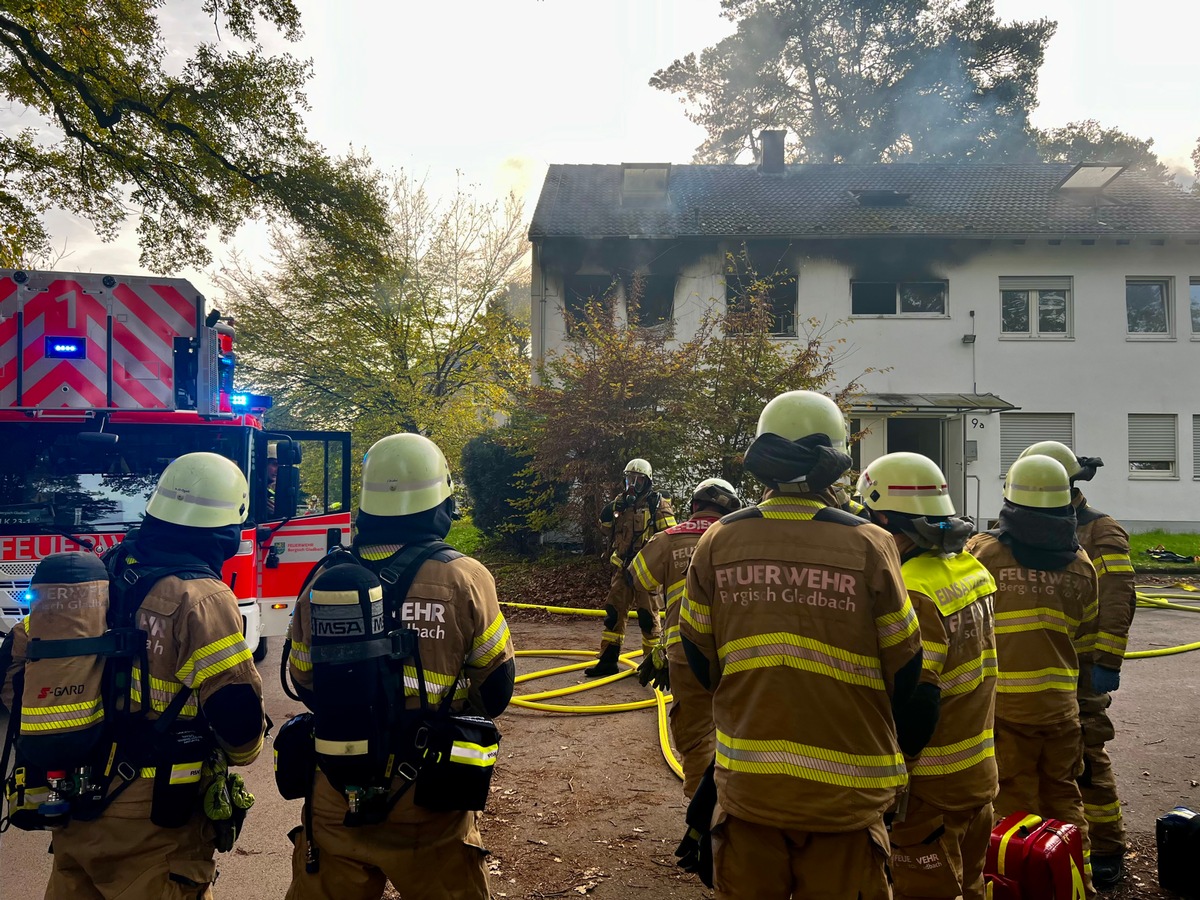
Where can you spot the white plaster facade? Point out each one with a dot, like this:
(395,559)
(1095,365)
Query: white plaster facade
(1099,374)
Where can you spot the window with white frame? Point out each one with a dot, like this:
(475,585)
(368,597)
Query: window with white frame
(1148,307)
(1152,445)
(1196,448)
(1019,430)
(898,298)
(1194,297)
(1035,307)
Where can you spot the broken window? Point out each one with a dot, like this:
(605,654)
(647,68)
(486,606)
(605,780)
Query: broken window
(898,298)
(580,290)
(761,274)
(649,299)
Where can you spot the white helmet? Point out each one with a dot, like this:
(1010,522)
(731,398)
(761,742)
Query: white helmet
(200,490)
(716,492)
(404,474)
(639,466)
(1037,481)
(905,483)
(797,414)
(1060,452)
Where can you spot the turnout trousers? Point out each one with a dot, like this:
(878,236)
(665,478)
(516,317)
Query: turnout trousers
(622,598)
(440,857)
(760,862)
(132,859)
(1038,767)
(691,723)
(1101,806)
(925,867)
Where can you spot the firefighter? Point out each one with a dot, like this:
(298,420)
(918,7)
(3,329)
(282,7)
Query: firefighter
(407,497)
(662,566)
(796,618)
(630,519)
(193,519)
(1107,545)
(1046,601)
(940,833)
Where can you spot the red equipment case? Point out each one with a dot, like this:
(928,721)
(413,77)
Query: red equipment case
(1031,858)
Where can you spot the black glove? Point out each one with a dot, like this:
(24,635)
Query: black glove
(695,855)
(654,668)
(606,514)
(621,503)
(646,670)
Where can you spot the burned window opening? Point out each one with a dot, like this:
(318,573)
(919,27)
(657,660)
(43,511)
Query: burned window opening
(580,290)
(649,299)
(761,274)
(898,298)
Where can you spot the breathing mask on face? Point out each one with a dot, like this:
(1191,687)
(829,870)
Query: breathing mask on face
(636,484)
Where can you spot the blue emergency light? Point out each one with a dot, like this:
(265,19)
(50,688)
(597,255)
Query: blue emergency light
(66,348)
(244,400)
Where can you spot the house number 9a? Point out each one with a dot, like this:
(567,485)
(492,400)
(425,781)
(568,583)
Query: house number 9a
(975,423)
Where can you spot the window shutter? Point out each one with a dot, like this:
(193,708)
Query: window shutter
(1042,283)
(1196,448)
(1151,437)
(1019,430)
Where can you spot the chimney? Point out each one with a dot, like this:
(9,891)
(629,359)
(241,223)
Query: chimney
(772,152)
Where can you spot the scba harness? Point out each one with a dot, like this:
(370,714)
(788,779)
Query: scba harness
(78,743)
(360,732)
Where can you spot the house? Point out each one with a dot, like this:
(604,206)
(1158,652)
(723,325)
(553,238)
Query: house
(1003,304)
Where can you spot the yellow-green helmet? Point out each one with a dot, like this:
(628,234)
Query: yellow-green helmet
(200,490)
(716,492)
(1056,451)
(404,474)
(905,483)
(1037,481)
(639,466)
(797,414)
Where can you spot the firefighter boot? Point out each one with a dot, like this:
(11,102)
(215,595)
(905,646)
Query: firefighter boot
(1108,870)
(607,664)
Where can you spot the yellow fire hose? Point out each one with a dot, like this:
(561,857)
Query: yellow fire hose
(1146,599)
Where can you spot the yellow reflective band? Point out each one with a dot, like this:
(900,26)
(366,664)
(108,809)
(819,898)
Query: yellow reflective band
(470,754)
(276,760)
(665,522)
(643,574)
(897,626)
(214,658)
(1037,680)
(781,757)
(436,684)
(1113,564)
(613,637)
(793,651)
(951,758)
(147,773)
(341,748)
(967,677)
(162,692)
(696,614)
(794,508)
(1043,618)
(300,656)
(1108,812)
(674,593)
(1115,644)
(1002,856)
(933,656)
(246,756)
(65,717)
(490,644)
(673,635)
(186,773)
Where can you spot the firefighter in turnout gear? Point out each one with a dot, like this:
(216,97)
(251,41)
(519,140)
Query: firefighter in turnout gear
(796,618)
(662,565)
(630,520)
(467,663)
(1107,545)
(153,838)
(941,831)
(1046,600)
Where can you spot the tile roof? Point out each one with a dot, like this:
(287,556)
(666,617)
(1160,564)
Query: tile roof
(813,201)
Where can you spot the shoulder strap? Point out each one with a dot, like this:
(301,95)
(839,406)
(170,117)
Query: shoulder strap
(748,512)
(333,557)
(1085,515)
(838,517)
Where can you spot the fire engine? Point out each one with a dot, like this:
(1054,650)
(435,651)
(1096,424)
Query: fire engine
(104,380)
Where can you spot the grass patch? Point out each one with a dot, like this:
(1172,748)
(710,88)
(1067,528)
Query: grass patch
(1185,544)
(464,536)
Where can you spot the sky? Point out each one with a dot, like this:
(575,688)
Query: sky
(489,92)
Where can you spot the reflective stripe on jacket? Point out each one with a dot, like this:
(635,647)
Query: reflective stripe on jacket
(1107,545)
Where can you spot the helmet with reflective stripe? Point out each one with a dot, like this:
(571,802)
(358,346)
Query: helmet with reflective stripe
(200,490)
(716,492)
(906,483)
(404,474)
(639,466)
(1037,481)
(1057,451)
(797,414)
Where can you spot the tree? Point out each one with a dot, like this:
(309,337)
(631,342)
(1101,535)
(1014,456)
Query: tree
(865,80)
(500,484)
(616,391)
(1089,141)
(187,148)
(419,338)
